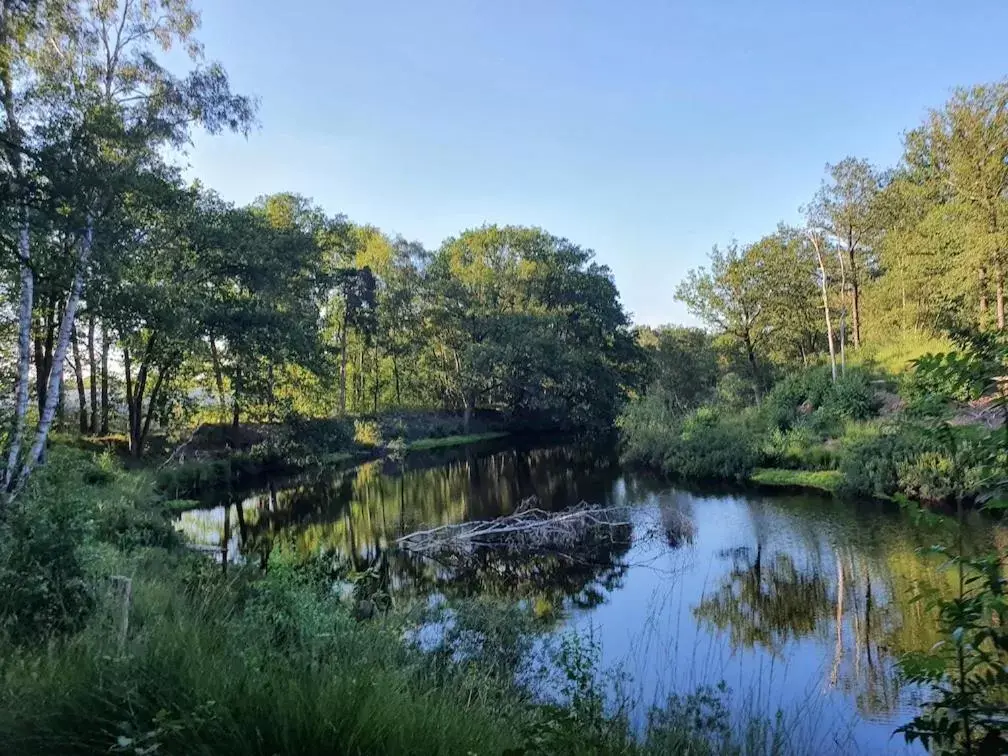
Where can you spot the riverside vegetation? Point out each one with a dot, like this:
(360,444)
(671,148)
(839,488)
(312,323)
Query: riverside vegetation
(205,344)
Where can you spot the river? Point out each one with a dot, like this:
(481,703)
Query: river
(797,603)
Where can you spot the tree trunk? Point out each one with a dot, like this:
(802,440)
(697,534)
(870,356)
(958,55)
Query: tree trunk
(81,394)
(467,411)
(982,274)
(92,374)
(843,343)
(218,377)
(104,382)
(753,367)
(43,354)
(61,400)
(824,286)
(855,301)
(235,408)
(377,376)
(24,356)
(999,296)
(130,420)
(52,390)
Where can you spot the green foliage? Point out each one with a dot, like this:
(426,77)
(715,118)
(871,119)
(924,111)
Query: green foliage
(44,590)
(801,396)
(701,446)
(967,672)
(946,375)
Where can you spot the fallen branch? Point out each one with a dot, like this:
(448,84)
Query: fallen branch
(528,529)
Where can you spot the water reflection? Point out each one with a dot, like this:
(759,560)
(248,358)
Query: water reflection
(818,590)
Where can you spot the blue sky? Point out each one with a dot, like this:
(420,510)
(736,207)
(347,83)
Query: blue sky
(645,130)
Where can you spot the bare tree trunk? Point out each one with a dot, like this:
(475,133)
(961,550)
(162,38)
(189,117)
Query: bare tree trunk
(843,342)
(843,315)
(104,383)
(66,324)
(855,298)
(61,399)
(93,374)
(130,407)
(24,356)
(218,377)
(824,286)
(999,296)
(235,407)
(81,394)
(754,369)
(983,294)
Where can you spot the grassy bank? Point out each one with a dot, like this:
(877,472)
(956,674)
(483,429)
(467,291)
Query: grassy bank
(425,444)
(247,662)
(827,481)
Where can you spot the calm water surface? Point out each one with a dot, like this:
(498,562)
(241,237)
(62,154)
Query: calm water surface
(797,603)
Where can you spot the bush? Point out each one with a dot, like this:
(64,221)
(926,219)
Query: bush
(707,447)
(917,461)
(813,397)
(950,376)
(852,396)
(44,591)
(799,448)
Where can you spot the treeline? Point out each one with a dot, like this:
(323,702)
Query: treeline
(909,252)
(160,303)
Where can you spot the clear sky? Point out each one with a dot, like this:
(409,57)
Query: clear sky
(647,130)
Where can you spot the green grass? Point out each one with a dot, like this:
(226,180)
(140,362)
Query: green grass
(821,480)
(424,444)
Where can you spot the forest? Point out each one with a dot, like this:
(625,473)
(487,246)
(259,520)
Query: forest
(827,346)
(168,352)
(134,301)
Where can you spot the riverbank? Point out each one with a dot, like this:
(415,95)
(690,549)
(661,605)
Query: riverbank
(852,438)
(146,647)
(214,461)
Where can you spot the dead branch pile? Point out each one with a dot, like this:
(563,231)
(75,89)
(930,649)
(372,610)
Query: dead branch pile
(529,529)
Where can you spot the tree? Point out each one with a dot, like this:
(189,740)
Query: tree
(967,143)
(731,296)
(88,76)
(528,321)
(846,211)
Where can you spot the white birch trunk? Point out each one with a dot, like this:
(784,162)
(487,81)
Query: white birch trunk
(824,287)
(55,376)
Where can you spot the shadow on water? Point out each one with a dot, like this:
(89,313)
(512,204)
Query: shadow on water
(814,590)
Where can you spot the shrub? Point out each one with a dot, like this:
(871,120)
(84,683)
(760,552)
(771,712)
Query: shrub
(709,448)
(870,465)
(917,461)
(43,587)
(948,375)
(813,396)
(797,449)
(852,396)
(367,433)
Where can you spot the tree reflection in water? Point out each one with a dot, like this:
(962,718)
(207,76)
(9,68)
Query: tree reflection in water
(765,601)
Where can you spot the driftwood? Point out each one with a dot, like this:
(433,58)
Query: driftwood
(529,529)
